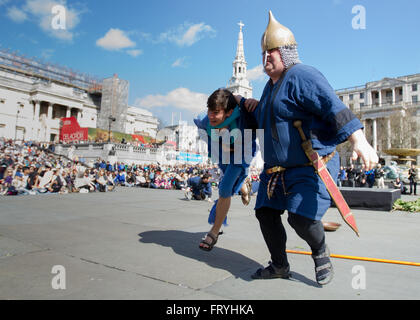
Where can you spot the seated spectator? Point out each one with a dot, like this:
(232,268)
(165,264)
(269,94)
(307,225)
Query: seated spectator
(363,183)
(120,178)
(56,182)
(101,181)
(398,184)
(130,180)
(109,180)
(7,183)
(141,180)
(45,178)
(85,183)
(69,182)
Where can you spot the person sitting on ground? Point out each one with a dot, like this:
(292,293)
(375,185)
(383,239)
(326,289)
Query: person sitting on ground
(200,187)
(85,183)
(398,184)
(101,181)
(56,183)
(120,179)
(130,180)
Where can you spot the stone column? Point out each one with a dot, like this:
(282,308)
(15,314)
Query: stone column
(388,133)
(50,110)
(68,112)
(79,115)
(369,98)
(380,97)
(37,110)
(393,95)
(374,135)
(49,118)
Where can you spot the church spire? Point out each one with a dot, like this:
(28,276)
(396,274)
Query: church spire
(240,55)
(238,83)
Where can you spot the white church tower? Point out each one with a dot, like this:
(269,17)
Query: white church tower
(238,83)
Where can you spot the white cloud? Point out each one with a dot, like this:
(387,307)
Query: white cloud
(135,52)
(187,34)
(16,14)
(115,39)
(181,98)
(180,62)
(256,73)
(42,12)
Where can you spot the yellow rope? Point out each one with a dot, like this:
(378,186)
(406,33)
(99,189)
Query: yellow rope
(339,256)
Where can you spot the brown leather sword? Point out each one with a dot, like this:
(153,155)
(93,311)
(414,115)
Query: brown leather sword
(325,176)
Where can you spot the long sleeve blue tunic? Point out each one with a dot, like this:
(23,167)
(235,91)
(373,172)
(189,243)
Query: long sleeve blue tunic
(303,94)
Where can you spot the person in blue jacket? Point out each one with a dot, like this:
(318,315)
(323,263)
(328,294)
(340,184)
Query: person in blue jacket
(289,182)
(200,187)
(224,131)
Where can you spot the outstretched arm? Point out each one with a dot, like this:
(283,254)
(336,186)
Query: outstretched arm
(250,104)
(362,148)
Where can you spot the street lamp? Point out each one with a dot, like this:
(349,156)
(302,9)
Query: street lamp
(111,119)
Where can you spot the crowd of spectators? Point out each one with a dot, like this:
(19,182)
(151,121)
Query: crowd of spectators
(31,168)
(362,178)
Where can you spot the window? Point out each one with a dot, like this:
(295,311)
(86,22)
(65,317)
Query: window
(414,99)
(351,97)
(362,95)
(414,87)
(389,94)
(341,98)
(362,104)
(401,92)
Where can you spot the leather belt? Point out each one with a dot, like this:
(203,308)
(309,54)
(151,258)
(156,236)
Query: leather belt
(278,169)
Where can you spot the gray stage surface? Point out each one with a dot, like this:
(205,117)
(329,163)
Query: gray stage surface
(143,244)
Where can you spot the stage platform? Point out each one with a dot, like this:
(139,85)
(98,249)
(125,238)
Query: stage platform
(370,198)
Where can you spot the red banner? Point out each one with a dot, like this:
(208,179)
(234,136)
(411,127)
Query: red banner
(71,131)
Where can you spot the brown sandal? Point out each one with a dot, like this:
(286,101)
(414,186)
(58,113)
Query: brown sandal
(246,197)
(211,244)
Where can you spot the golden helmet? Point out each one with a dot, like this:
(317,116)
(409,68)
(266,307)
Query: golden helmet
(276,35)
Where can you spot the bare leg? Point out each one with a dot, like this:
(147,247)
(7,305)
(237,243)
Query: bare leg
(244,188)
(222,208)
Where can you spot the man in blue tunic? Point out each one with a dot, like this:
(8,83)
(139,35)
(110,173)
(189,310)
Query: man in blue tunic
(200,187)
(224,131)
(298,92)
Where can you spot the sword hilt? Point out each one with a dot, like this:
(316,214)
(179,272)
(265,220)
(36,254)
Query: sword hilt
(298,125)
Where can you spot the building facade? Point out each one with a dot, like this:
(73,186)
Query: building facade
(34,96)
(390,111)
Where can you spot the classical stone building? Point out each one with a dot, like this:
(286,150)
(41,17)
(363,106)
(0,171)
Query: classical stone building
(390,111)
(34,96)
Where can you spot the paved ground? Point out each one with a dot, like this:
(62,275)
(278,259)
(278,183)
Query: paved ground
(142,244)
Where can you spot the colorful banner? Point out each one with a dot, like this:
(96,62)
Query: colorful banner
(70,131)
(189,157)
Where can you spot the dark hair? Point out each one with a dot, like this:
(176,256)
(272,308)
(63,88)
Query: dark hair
(206,176)
(221,98)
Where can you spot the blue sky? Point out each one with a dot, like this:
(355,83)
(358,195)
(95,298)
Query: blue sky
(176,53)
